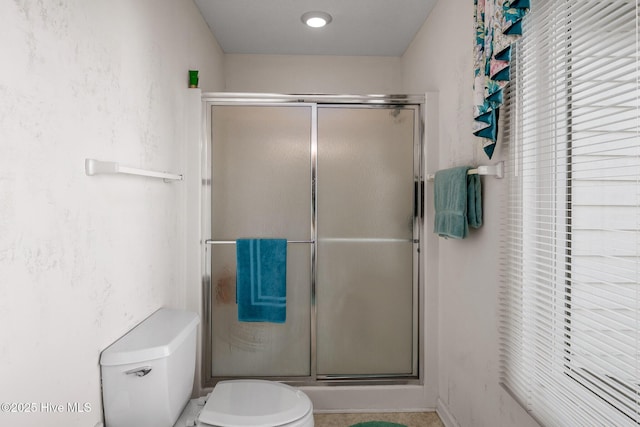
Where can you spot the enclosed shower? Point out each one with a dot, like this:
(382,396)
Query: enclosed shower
(339,177)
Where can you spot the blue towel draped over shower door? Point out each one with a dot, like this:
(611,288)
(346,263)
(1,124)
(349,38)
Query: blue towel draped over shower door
(261,280)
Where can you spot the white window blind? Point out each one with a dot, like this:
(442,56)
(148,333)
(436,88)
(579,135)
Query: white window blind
(570,299)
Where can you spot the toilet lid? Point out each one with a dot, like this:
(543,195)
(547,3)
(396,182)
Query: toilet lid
(254,403)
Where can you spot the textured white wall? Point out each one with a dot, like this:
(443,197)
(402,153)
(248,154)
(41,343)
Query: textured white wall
(313,74)
(440,58)
(84,259)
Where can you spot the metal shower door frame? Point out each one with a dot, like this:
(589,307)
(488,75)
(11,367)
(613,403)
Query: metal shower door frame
(415,102)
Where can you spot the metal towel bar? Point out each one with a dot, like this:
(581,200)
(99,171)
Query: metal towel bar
(233,242)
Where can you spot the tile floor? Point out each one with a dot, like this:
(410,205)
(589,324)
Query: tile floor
(410,419)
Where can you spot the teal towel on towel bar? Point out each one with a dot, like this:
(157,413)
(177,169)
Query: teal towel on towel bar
(457,202)
(261,280)
(474,201)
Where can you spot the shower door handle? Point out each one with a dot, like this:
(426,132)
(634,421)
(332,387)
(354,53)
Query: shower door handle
(418,198)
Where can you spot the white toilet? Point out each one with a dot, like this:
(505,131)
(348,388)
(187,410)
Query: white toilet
(147,378)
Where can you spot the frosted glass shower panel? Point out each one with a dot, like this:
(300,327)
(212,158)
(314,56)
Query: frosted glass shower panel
(248,349)
(261,188)
(365,281)
(365,172)
(261,179)
(365,309)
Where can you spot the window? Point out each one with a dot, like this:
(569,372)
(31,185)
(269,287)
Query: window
(570,300)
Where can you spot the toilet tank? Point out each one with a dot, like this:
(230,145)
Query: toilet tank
(147,375)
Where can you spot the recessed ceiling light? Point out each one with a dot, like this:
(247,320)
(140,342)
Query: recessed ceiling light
(316,19)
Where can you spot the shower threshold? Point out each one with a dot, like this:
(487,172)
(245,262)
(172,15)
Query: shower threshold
(332,380)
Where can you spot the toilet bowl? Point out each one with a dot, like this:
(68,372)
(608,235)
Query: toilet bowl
(147,378)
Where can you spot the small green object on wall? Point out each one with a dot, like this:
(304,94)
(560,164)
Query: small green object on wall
(193,78)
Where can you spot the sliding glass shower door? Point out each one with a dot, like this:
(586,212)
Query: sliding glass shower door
(341,184)
(365,282)
(261,187)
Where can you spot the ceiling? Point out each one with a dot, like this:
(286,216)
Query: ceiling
(359,27)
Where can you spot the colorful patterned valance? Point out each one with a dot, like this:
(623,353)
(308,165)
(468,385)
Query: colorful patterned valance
(498,25)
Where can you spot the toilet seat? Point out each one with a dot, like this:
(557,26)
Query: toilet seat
(256,403)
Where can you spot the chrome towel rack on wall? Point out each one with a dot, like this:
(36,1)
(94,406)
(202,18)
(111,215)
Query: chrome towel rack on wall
(496,170)
(98,167)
